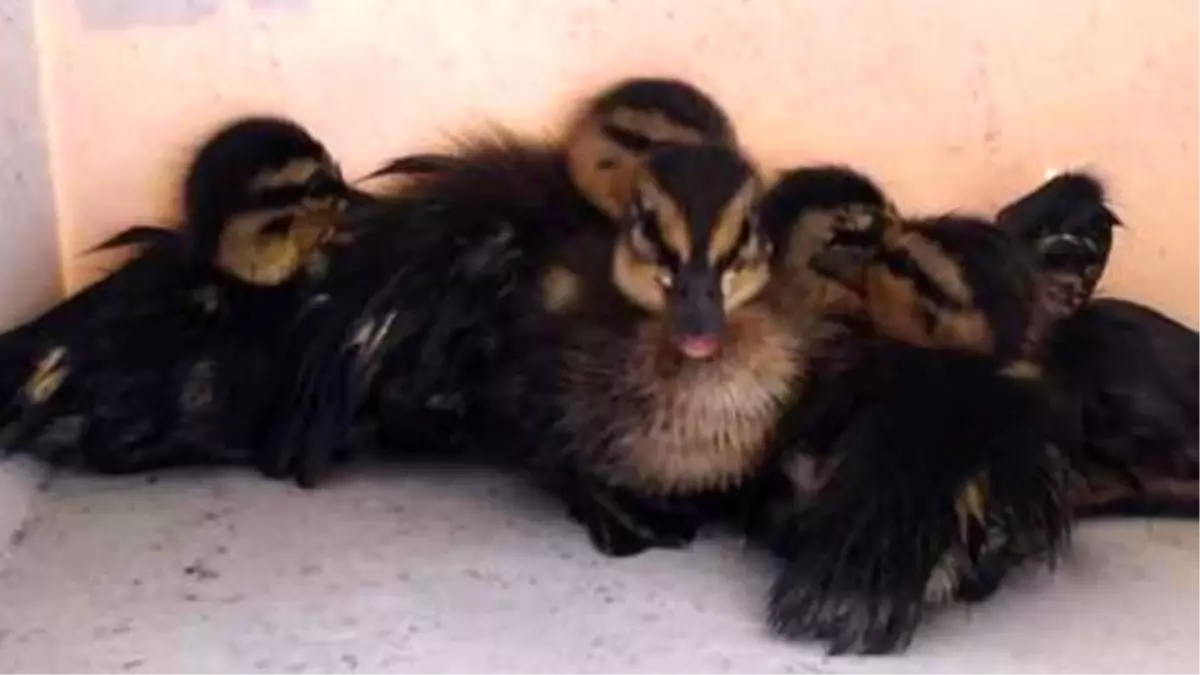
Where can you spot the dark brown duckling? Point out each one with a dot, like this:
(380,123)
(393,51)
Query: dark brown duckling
(167,361)
(921,460)
(1126,375)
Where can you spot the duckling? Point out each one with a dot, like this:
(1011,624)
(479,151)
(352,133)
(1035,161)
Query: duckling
(1134,420)
(777,298)
(437,330)
(803,210)
(675,358)
(1069,225)
(167,360)
(924,467)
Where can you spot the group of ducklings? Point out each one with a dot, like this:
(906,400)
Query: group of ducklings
(902,408)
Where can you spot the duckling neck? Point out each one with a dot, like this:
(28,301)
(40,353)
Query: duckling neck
(650,420)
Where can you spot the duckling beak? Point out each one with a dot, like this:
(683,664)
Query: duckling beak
(697,313)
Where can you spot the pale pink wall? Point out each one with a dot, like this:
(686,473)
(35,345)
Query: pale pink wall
(952,103)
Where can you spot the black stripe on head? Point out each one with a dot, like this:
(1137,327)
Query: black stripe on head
(626,138)
(647,224)
(680,102)
(701,180)
(901,264)
(997,268)
(276,198)
(743,238)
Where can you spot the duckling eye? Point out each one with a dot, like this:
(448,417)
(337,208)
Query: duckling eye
(898,264)
(322,184)
(643,220)
(640,243)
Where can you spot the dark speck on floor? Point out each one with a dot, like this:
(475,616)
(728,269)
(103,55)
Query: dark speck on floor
(201,571)
(130,665)
(351,661)
(19,535)
(151,479)
(191,597)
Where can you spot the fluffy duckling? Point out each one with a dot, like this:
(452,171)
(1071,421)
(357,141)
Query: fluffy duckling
(166,361)
(1133,421)
(1068,225)
(676,357)
(920,463)
(437,330)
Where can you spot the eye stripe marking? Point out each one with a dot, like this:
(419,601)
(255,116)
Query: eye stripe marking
(900,263)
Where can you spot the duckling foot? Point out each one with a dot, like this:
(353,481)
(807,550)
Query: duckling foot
(623,527)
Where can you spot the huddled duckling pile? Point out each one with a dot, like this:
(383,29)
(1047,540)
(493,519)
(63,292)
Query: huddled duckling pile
(656,331)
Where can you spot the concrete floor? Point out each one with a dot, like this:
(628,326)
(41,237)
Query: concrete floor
(425,571)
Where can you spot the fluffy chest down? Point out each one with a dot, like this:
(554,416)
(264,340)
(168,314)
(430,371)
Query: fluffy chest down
(644,417)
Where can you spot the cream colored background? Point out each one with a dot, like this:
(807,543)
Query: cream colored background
(950,103)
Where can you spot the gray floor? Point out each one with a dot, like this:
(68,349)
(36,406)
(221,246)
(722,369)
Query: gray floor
(430,572)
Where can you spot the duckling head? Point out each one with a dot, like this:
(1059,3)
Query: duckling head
(949,282)
(801,211)
(617,128)
(691,248)
(1068,226)
(260,196)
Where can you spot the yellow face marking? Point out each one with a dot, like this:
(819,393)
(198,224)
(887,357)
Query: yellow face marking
(733,219)
(897,309)
(638,279)
(270,259)
(932,260)
(675,230)
(743,285)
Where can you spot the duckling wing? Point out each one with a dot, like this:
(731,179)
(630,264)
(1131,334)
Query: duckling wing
(128,374)
(1130,376)
(944,470)
(415,314)
(423,323)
